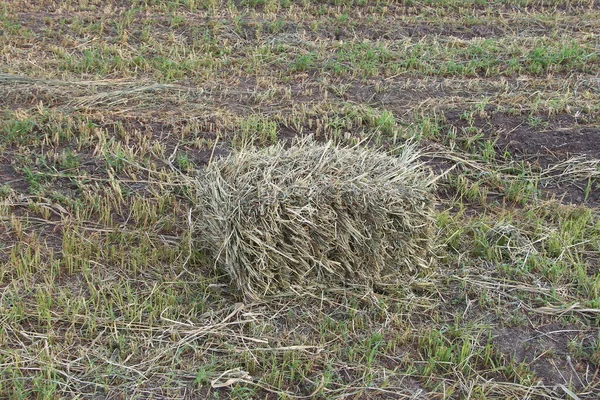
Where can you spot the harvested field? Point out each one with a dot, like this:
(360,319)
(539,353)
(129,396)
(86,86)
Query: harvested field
(111,110)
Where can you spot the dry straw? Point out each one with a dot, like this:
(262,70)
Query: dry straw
(313,213)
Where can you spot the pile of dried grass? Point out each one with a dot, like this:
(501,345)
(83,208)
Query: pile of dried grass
(315,214)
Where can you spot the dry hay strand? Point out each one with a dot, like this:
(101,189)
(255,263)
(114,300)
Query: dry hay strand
(278,218)
(107,93)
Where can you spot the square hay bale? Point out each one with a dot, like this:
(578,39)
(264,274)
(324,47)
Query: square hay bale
(315,214)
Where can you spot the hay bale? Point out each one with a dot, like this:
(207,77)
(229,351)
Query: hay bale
(314,214)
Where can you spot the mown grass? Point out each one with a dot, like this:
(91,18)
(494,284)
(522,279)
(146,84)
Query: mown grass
(110,109)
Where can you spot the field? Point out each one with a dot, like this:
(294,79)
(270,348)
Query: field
(111,108)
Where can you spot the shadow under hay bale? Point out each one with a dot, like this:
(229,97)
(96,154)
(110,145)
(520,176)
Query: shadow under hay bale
(315,214)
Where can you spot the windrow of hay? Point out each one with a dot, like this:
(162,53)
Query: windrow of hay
(73,94)
(314,213)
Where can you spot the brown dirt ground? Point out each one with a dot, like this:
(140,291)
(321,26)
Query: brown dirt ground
(554,140)
(544,350)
